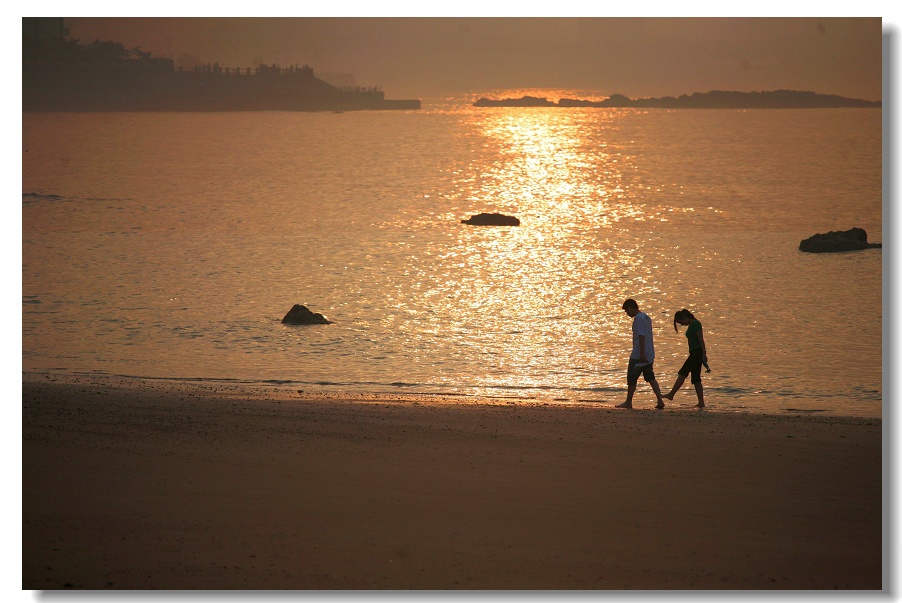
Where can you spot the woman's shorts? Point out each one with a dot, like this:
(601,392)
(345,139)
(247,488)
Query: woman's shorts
(693,365)
(633,372)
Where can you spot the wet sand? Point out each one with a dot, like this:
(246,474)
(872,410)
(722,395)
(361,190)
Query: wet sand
(178,489)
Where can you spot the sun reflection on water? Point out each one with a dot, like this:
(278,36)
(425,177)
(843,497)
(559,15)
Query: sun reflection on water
(544,298)
(520,293)
(548,169)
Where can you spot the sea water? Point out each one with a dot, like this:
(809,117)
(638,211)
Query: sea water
(170,245)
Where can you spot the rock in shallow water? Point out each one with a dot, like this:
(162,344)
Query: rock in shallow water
(301,315)
(491,220)
(838,240)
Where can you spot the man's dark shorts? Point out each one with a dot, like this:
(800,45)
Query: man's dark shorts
(633,372)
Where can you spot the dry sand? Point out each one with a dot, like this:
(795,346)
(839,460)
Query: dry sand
(145,489)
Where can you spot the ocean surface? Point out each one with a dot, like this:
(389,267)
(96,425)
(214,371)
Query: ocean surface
(170,245)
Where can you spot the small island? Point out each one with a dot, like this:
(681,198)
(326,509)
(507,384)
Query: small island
(62,74)
(716,99)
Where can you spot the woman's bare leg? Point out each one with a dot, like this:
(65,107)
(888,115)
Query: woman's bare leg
(676,386)
(700,392)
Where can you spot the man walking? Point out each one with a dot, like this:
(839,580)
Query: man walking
(642,357)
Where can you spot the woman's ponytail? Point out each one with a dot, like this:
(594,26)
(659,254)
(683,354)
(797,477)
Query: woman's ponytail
(680,315)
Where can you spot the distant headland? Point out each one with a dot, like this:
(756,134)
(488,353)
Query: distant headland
(60,74)
(716,99)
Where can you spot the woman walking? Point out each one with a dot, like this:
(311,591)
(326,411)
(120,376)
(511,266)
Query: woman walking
(697,355)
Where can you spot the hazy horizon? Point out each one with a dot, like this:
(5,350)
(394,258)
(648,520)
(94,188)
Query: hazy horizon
(434,56)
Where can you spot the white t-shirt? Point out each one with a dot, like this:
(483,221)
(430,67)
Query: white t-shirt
(642,326)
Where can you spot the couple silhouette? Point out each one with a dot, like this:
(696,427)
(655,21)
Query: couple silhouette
(642,357)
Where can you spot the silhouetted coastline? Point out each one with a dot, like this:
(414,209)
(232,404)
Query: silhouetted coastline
(716,99)
(61,74)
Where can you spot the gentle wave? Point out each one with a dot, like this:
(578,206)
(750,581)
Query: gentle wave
(719,398)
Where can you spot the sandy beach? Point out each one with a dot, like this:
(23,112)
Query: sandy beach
(150,488)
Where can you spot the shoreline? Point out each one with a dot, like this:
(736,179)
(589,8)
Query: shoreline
(288,390)
(151,488)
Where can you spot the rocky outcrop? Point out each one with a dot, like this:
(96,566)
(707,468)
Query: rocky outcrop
(853,239)
(491,220)
(301,315)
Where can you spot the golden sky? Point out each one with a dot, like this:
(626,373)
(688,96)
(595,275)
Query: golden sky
(434,56)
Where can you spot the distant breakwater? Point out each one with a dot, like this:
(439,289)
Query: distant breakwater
(777,99)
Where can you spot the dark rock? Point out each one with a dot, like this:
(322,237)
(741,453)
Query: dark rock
(491,220)
(300,315)
(853,239)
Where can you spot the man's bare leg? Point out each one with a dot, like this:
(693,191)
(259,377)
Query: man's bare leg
(657,390)
(630,390)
